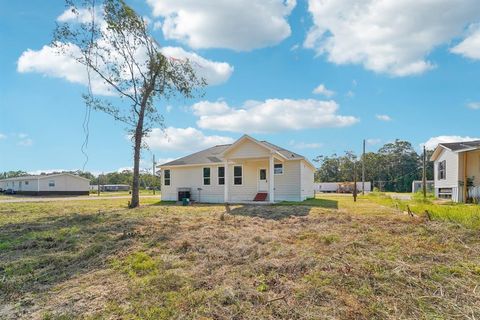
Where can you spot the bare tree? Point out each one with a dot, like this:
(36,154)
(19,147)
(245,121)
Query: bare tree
(113,42)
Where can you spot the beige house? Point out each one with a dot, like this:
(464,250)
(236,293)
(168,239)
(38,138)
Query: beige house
(247,170)
(457,165)
(48,184)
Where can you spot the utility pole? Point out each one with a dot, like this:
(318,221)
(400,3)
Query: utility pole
(153,172)
(424,173)
(363,168)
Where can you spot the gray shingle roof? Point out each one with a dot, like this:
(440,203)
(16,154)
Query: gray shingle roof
(212,155)
(286,153)
(456,146)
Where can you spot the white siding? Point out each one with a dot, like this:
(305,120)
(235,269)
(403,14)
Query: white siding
(192,177)
(248,149)
(307,174)
(287,185)
(452,174)
(451,160)
(64,183)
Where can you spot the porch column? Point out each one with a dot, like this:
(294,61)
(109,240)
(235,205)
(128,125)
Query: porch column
(227,182)
(271,176)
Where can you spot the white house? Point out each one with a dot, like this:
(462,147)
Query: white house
(247,170)
(455,163)
(48,184)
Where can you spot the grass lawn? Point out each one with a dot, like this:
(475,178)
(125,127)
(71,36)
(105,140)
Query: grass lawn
(467,215)
(330,258)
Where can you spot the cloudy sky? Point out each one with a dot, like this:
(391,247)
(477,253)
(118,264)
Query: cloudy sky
(313,76)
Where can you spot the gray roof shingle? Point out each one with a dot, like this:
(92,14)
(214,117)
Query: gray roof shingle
(212,155)
(456,146)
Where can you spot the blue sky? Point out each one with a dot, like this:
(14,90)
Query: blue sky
(389,70)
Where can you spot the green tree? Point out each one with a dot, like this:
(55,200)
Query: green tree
(115,45)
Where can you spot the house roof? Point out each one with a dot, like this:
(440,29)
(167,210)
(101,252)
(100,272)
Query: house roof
(214,154)
(43,176)
(459,146)
(456,147)
(207,156)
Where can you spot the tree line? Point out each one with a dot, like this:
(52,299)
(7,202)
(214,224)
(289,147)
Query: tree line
(392,168)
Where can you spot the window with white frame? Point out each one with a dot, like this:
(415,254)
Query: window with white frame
(221,175)
(51,183)
(442,170)
(237,175)
(166,177)
(206,176)
(278,168)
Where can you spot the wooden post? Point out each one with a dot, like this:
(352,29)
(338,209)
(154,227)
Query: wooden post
(363,168)
(354,181)
(153,172)
(424,173)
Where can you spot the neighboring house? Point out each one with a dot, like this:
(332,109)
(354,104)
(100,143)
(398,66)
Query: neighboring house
(328,187)
(247,170)
(418,184)
(48,184)
(456,165)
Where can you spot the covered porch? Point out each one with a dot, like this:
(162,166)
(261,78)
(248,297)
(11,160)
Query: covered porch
(251,180)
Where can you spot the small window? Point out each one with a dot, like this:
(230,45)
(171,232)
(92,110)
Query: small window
(221,175)
(166,177)
(206,176)
(26,183)
(278,168)
(237,175)
(442,170)
(51,183)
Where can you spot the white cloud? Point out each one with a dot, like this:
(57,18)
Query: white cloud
(80,15)
(213,72)
(383,117)
(432,143)
(3,136)
(305,145)
(387,36)
(321,89)
(27,142)
(470,46)
(474,105)
(206,108)
(274,115)
(233,24)
(183,139)
(48,62)
(373,141)
(157,25)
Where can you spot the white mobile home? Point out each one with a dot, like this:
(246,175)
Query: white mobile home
(48,184)
(457,170)
(247,170)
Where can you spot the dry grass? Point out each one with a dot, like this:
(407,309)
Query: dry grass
(360,261)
